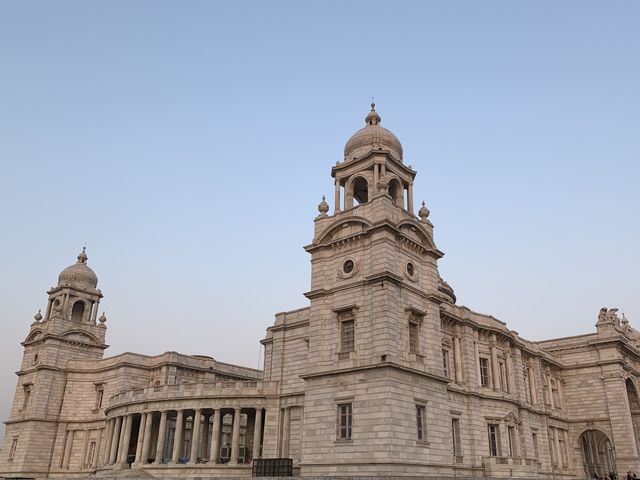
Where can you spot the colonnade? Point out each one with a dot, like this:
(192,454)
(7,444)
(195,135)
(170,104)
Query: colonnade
(184,436)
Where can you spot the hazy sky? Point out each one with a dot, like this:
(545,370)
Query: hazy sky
(189,143)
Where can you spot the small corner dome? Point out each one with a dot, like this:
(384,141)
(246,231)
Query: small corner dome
(372,137)
(79,272)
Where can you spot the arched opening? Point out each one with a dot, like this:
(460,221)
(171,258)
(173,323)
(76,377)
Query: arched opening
(77,311)
(395,191)
(597,453)
(360,190)
(634,407)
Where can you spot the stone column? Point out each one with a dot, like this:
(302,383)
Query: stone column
(457,359)
(195,437)
(104,454)
(257,428)
(511,385)
(177,439)
(206,431)
(495,374)
(235,436)
(285,432)
(532,386)
(141,432)
(99,442)
(144,456)
(69,447)
(410,198)
(215,437)
(376,179)
(126,438)
(162,432)
(115,441)
(336,205)
(477,356)
(83,455)
(94,313)
(48,312)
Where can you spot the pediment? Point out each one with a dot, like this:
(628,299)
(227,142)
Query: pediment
(81,337)
(342,229)
(415,232)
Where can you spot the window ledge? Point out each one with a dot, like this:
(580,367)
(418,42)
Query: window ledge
(423,443)
(339,441)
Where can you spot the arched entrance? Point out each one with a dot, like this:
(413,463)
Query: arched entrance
(597,453)
(634,407)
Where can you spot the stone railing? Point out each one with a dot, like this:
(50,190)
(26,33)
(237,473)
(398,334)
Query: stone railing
(194,390)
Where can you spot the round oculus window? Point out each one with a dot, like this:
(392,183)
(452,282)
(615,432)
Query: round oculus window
(411,269)
(35,359)
(348,266)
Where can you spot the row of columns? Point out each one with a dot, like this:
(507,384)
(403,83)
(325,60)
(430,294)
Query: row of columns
(119,430)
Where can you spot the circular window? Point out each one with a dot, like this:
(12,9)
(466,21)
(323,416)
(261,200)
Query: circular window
(35,359)
(411,269)
(348,266)
(56,303)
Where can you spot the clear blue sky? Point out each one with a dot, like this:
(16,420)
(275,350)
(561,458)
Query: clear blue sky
(189,143)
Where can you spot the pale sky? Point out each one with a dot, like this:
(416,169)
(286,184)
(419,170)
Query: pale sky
(189,143)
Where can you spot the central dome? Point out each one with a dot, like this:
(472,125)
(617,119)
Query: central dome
(79,272)
(372,137)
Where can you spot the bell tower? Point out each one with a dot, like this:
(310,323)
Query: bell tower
(69,331)
(374,317)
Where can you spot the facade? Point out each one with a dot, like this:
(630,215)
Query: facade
(381,375)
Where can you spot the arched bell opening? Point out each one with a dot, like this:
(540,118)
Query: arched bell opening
(77,311)
(396,192)
(597,453)
(360,188)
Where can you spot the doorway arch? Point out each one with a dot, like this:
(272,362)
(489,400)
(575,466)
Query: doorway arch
(597,453)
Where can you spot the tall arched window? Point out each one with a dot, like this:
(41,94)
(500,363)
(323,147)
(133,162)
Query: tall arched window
(77,311)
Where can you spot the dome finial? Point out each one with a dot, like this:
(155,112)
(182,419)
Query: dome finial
(82,257)
(372,117)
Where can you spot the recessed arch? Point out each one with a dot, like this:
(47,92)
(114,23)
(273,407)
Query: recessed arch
(360,189)
(395,192)
(328,233)
(77,311)
(597,453)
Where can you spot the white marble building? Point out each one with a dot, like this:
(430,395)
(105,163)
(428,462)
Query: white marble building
(381,375)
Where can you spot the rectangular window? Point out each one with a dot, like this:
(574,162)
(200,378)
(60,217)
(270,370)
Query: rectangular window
(563,448)
(99,396)
(420,422)
(455,435)
(27,396)
(485,379)
(347,335)
(552,447)
(14,447)
(345,421)
(536,451)
(445,362)
(511,431)
(494,439)
(414,336)
(91,455)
